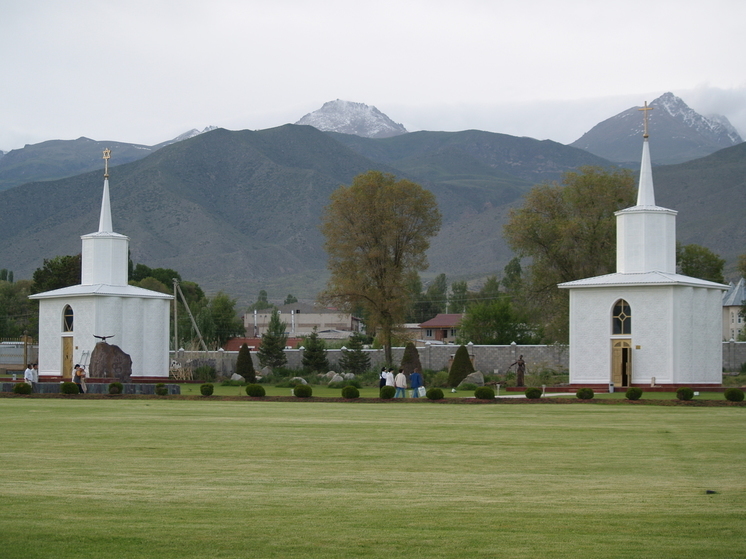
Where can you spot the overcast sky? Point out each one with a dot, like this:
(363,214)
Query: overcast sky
(147,71)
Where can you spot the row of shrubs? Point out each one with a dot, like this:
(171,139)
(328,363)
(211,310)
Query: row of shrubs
(72,388)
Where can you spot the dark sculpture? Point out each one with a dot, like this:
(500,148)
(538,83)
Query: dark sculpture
(109,361)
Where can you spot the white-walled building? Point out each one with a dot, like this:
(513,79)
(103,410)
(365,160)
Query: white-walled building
(645,323)
(135,319)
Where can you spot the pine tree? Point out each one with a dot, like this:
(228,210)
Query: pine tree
(314,354)
(354,360)
(411,359)
(272,349)
(460,368)
(244,364)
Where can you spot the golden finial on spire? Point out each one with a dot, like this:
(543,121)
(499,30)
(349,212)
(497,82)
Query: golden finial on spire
(646,109)
(107,155)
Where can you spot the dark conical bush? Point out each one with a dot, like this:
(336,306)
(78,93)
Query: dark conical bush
(460,368)
(245,365)
(411,359)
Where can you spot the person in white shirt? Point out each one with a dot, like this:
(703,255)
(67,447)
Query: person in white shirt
(401,385)
(28,376)
(389,377)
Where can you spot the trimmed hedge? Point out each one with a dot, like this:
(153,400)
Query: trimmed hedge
(387,392)
(255,390)
(633,393)
(350,392)
(685,393)
(434,394)
(161,389)
(484,393)
(584,393)
(206,389)
(116,388)
(25,388)
(733,394)
(69,388)
(303,391)
(533,393)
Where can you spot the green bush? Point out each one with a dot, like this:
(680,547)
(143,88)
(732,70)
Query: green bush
(434,394)
(533,393)
(255,390)
(69,388)
(469,387)
(303,391)
(343,383)
(350,392)
(116,388)
(161,389)
(22,388)
(685,393)
(387,392)
(484,393)
(584,393)
(245,365)
(634,393)
(733,394)
(439,379)
(461,367)
(205,373)
(206,389)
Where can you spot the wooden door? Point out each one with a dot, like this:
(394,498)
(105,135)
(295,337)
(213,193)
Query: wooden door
(621,362)
(67,357)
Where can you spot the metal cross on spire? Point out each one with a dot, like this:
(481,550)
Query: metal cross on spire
(646,109)
(107,155)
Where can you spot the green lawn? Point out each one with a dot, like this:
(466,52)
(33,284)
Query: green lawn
(212,479)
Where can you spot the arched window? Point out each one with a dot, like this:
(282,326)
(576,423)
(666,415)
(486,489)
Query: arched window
(622,318)
(67,319)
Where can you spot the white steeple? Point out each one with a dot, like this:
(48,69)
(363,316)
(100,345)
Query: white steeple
(105,253)
(646,233)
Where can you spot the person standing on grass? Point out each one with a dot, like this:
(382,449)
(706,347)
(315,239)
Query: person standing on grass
(415,381)
(382,381)
(400,382)
(389,377)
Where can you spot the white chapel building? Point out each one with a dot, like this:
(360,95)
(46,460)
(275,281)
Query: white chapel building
(645,324)
(104,305)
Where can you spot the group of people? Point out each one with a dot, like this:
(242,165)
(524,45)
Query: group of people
(79,378)
(400,382)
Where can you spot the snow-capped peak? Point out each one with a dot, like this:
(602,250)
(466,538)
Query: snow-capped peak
(713,126)
(348,117)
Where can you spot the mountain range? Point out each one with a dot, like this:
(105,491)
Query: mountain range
(239,211)
(680,134)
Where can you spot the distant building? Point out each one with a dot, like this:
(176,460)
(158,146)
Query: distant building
(733,300)
(302,318)
(441,329)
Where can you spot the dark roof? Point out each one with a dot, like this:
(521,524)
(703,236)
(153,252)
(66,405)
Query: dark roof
(443,321)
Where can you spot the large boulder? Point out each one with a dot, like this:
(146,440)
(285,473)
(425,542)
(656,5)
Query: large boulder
(239,378)
(348,376)
(474,378)
(109,361)
(336,378)
(298,380)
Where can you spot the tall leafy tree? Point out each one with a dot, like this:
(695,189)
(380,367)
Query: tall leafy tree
(377,231)
(496,322)
(314,354)
(700,262)
(227,324)
(459,297)
(56,273)
(354,360)
(569,231)
(261,302)
(272,348)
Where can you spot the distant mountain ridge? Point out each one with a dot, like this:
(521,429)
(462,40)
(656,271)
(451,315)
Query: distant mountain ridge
(55,159)
(680,133)
(358,119)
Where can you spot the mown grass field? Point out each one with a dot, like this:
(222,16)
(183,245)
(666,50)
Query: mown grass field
(207,478)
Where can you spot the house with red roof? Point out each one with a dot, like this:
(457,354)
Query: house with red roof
(441,329)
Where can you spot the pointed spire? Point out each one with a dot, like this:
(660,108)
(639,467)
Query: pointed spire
(645,191)
(104,222)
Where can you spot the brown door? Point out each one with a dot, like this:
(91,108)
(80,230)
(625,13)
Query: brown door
(67,357)
(621,362)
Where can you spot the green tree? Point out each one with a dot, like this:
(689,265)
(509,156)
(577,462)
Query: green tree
(569,231)
(699,262)
(411,359)
(461,367)
(164,275)
(459,297)
(290,299)
(489,291)
(512,280)
(314,354)
(56,273)
(261,302)
(495,322)
(244,364)
(272,348)
(377,232)
(354,359)
(227,324)
(18,313)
